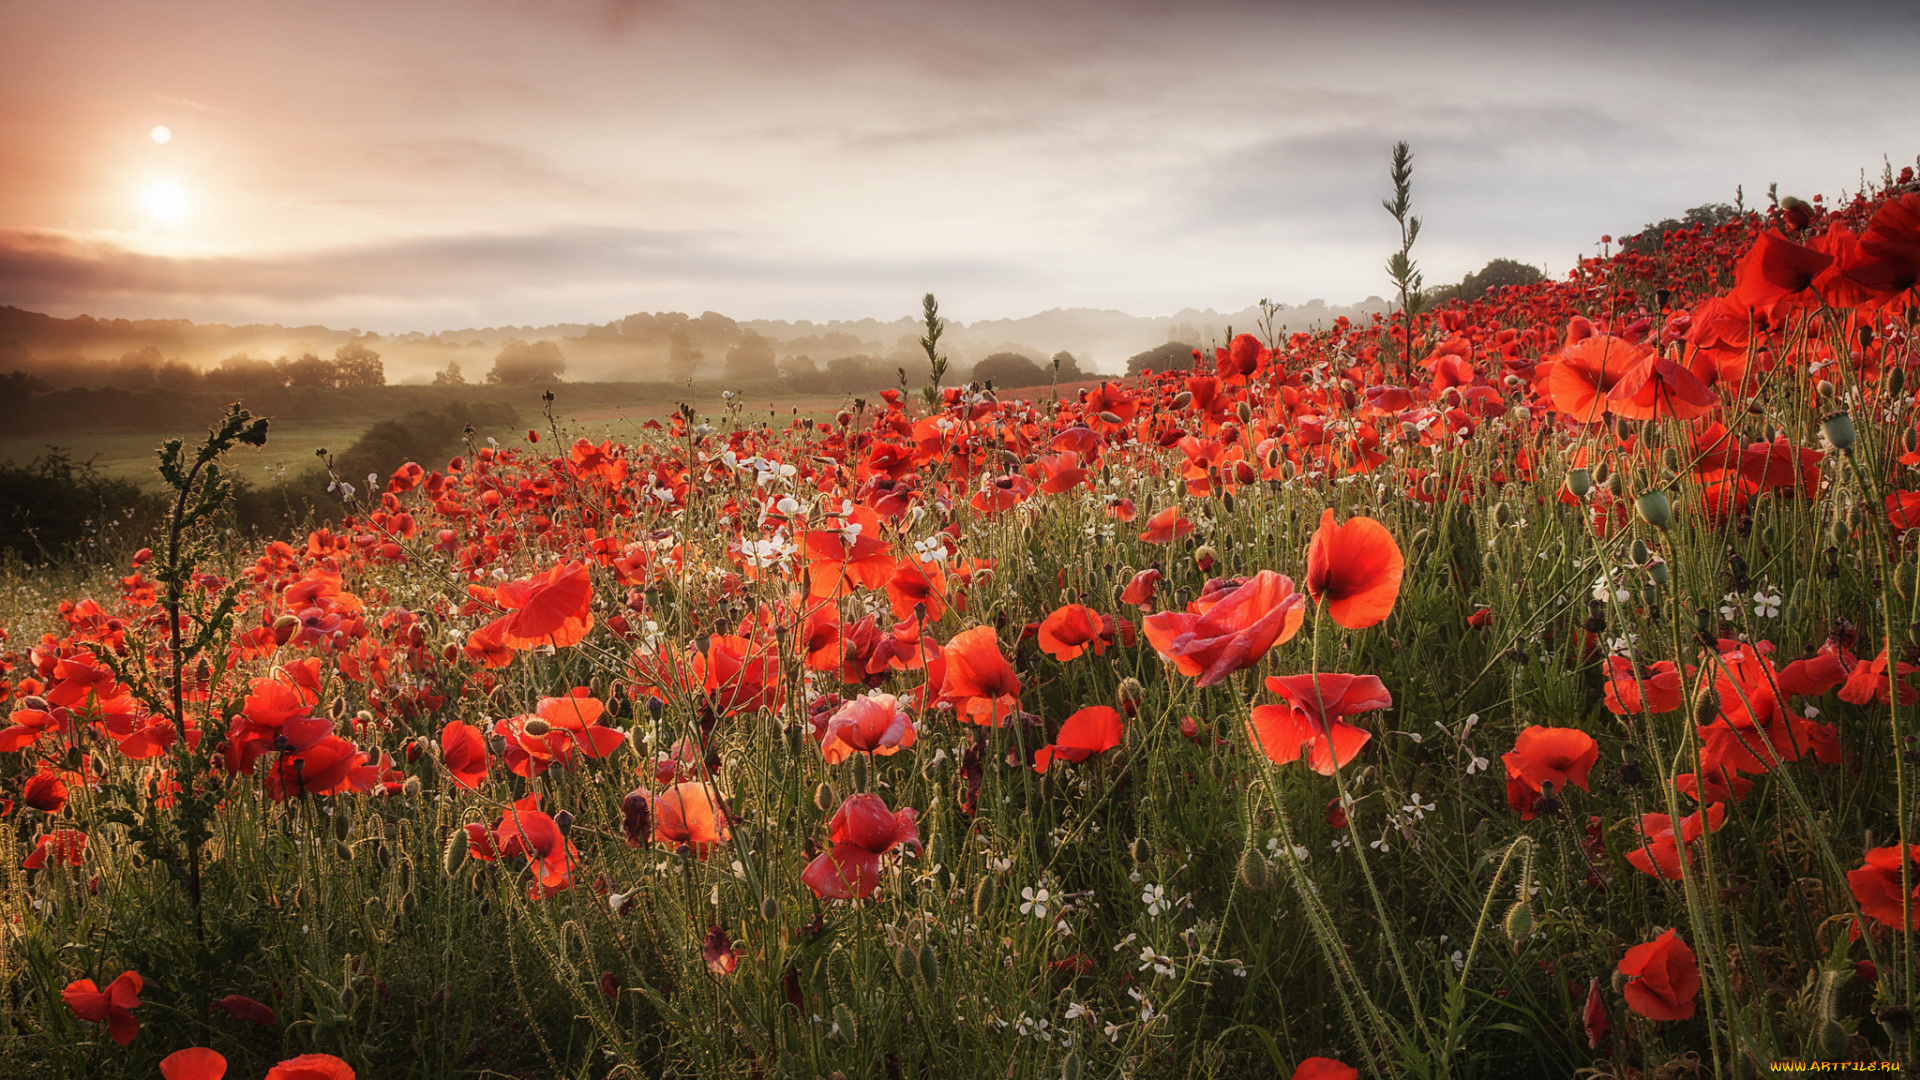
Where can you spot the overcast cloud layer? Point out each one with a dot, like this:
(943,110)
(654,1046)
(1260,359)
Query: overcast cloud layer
(489,162)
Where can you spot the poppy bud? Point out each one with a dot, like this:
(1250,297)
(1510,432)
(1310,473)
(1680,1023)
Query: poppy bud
(1226,501)
(342,824)
(455,853)
(769,908)
(1630,774)
(1660,574)
(1579,483)
(1109,418)
(342,851)
(824,797)
(1833,1040)
(1602,473)
(1180,401)
(1904,578)
(983,898)
(1253,871)
(1824,389)
(1244,412)
(1655,509)
(1896,380)
(1519,922)
(411,788)
(563,821)
(1639,553)
(860,772)
(929,967)
(905,964)
(1204,557)
(843,1023)
(1619,980)
(1838,428)
(536,727)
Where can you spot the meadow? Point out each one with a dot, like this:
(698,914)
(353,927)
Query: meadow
(1506,687)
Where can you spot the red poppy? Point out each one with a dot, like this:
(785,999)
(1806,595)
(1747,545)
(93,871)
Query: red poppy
(1593,1018)
(1310,721)
(717,951)
(1777,274)
(554,608)
(1559,756)
(1166,526)
(979,682)
(691,813)
(1583,375)
(464,752)
(862,830)
(1871,682)
(1092,730)
(61,847)
(328,767)
(1355,568)
(115,1005)
(874,724)
(1322,1068)
(193,1063)
(1876,885)
(917,584)
(311,1067)
(1662,978)
(1660,856)
(1139,590)
(854,555)
(1230,627)
(1657,388)
(1072,629)
(247,1011)
(525,831)
(742,675)
(45,791)
(1630,690)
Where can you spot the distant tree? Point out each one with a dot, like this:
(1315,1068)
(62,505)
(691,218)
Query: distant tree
(356,365)
(241,373)
(528,362)
(450,375)
(307,372)
(1651,239)
(1173,356)
(683,359)
(854,374)
(1498,273)
(1010,369)
(751,359)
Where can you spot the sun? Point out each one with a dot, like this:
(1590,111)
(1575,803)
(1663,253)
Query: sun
(166,201)
(162,134)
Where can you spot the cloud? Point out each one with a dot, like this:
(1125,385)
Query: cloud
(54,271)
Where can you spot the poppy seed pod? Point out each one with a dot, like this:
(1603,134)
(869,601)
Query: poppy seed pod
(537,727)
(1519,922)
(1579,483)
(1253,871)
(984,898)
(929,967)
(1659,573)
(1639,553)
(1838,427)
(1654,508)
(1502,514)
(1245,413)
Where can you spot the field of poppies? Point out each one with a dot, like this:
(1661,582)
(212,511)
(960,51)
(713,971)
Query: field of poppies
(1518,687)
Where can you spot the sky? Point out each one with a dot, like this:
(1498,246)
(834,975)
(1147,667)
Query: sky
(439,164)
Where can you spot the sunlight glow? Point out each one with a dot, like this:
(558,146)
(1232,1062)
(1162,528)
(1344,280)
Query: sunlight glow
(165,201)
(162,134)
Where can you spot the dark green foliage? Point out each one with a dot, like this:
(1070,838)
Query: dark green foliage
(1173,356)
(1651,238)
(1498,273)
(1009,369)
(528,362)
(53,506)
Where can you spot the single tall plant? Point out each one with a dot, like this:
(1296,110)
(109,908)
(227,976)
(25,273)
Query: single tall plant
(1400,265)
